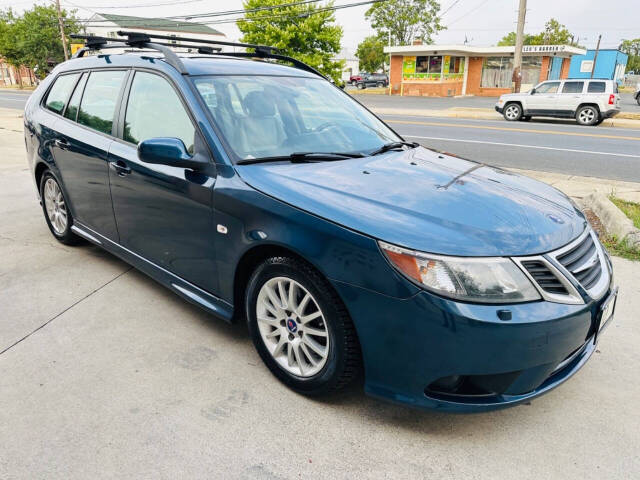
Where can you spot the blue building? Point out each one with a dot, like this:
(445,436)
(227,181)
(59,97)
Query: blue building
(610,64)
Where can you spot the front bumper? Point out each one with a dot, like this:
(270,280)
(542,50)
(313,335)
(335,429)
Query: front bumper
(409,344)
(499,109)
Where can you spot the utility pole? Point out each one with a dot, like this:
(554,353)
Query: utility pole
(61,24)
(517,57)
(595,56)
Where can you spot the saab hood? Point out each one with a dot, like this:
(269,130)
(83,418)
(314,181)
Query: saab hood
(427,201)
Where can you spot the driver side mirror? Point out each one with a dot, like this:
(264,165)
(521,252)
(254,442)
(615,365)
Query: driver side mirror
(533,91)
(167,151)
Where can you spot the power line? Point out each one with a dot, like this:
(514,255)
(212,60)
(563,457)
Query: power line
(450,7)
(249,10)
(468,13)
(141,5)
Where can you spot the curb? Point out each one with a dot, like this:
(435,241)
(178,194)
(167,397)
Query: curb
(615,222)
(487,114)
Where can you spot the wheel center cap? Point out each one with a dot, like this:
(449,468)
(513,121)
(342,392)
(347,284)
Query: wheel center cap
(292,326)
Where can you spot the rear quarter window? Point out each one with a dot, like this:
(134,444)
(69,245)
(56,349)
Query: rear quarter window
(597,87)
(60,92)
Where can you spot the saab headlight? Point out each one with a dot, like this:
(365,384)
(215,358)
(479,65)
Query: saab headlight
(471,279)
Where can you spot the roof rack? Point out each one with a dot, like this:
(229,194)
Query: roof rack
(145,40)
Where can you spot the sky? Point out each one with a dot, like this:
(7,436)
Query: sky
(481,22)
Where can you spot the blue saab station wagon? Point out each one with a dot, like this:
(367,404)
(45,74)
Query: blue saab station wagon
(261,191)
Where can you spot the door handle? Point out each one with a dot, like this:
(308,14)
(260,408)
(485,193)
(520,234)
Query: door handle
(61,143)
(120,168)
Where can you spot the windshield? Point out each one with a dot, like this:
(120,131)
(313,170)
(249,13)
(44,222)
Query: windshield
(267,116)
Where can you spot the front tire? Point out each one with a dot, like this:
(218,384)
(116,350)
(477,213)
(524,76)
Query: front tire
(56,211)
(360,86)
(512,112)
(638,99)
(300,327)
(587,115)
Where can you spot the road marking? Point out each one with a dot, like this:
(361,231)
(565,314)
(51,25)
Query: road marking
(508,129)
(524,146)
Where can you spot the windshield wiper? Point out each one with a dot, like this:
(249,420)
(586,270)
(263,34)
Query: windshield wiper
(303,157)
(392,146)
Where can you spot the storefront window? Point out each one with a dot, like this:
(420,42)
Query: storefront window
(429,67)
(497,72)
(531,67)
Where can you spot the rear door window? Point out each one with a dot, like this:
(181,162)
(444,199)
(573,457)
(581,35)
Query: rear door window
(60,92)
(72,109)
(99,100)
(155,110)
(596,87)
(572,87)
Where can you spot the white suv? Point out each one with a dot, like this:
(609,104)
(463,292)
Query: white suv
(589,101)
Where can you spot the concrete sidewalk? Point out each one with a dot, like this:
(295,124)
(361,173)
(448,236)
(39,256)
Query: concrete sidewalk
(107,374)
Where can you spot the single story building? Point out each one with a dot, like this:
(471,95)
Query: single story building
(448,70)
(610,64)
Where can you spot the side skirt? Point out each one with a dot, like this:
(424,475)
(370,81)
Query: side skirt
(186,290)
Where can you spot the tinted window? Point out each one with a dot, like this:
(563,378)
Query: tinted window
(72,109)
(59,93)
(99,100)
(549,87)
(596,87)
(155,110)
(572,87)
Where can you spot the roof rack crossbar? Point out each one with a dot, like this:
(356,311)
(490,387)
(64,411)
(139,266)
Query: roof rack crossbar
(137,40)
(264,48)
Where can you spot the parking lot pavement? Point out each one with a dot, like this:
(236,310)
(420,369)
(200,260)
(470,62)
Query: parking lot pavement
(105,373)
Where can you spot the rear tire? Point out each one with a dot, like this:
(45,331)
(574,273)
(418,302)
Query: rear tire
(512,112)
(587,115)
(360,86)
(55,209)
(379,84)
(638,99)
(309,345)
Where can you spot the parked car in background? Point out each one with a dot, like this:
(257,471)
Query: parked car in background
(354,79)
(637,94)
(588,101)
(373,80)
(264,194)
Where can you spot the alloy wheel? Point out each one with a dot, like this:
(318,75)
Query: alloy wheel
(512,112)
(55,206)
(292,326)
(587,116)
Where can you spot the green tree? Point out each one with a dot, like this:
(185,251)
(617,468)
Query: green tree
(305,32)
(370,54)
(554,33)
(33,39)
(632,48)
(406,20)
(9,48)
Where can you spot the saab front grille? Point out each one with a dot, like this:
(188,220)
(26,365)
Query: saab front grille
(544,277)
(583,262)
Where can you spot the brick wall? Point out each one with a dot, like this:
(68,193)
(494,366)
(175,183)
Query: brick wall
(564,71)
(433,89)
(395,78)
(544,69)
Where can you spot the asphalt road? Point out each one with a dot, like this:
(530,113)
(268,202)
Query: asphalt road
(550,146)
(106,374)
(13,98)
